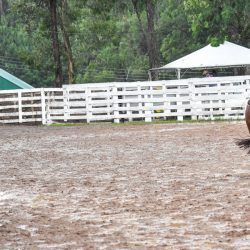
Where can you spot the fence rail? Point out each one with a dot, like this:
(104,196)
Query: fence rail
(204,98)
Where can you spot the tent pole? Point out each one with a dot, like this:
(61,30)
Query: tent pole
(178,74)
(150,75)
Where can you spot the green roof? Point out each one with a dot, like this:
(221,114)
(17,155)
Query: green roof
(8,81)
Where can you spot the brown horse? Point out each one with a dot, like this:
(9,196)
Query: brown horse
(247,115)
(245,143)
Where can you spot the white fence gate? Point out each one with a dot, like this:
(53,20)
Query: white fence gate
(32,105)
(204,98)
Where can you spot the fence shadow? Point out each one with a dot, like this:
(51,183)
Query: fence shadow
(244,144)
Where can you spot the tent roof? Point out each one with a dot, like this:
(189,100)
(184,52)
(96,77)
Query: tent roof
(16,81)
(226,55)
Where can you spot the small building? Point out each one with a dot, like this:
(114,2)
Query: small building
(8,81)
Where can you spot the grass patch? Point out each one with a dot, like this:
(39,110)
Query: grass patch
(157,121)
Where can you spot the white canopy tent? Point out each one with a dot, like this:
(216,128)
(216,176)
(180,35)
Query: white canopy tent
(226,55)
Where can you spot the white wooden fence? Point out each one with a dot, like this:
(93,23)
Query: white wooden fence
(20,106)
(197,98)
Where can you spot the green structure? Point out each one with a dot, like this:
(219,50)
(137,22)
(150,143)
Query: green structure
(8,81)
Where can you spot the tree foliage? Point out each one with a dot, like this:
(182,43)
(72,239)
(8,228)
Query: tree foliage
(216,20)
(111,40)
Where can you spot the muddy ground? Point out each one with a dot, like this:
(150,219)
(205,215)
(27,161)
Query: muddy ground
(157,186)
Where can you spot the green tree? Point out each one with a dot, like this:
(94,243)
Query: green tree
(149,42)
(216,20)
(175,33)
(53,16)
(52,42)
(65,25)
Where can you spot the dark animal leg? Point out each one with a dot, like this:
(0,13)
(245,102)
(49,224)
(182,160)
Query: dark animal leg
(245,143)
(247,115)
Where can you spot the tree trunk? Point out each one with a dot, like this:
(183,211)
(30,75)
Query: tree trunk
(144,39)
(149,36)
(154,60)
(67,44)
(55,42)
(1,9)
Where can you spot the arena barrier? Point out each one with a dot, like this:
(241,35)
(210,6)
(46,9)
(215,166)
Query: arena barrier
(191,99)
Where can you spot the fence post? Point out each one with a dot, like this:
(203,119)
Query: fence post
(48,107)
(227,106)
(220,99)
(148,107)
(180,106)
(65,104)
(193,103)
(139,89)
(20,112)
(166,103)
(43,107)
(88,104)
(129,112)
(115,104)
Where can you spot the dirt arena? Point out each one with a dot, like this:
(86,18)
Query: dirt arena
(154,186)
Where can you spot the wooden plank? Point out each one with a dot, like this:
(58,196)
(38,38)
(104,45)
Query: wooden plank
(9,121)
(38,119)
(14,106)
(32,113)
(11,99)
(9,114)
